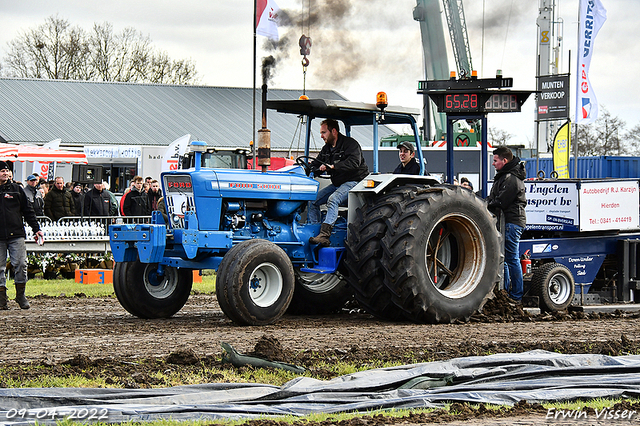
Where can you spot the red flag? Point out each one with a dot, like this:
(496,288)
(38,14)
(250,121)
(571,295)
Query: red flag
(267,19)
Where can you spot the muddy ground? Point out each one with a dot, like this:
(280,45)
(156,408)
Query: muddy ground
(96,336)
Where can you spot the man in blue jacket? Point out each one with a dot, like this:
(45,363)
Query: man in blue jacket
(15,209)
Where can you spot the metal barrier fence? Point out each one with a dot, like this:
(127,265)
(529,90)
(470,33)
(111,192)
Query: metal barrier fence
(77,234)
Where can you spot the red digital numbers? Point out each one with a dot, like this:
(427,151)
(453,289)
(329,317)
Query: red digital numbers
(461,102)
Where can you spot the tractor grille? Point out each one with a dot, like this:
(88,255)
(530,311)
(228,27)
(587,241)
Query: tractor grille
(178,198)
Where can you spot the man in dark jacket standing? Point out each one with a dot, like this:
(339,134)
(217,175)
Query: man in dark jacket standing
(34,196)
(137,202)
(97,201)
(342,158)
(14,211)
(154,194)
(58,202)
(77,195)
(507,197)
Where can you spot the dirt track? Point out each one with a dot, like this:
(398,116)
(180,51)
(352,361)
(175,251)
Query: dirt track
(88,336)
(57,329)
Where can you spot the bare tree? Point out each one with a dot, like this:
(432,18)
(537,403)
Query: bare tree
(604,137)
(498,137)
(55,50)
(632,140)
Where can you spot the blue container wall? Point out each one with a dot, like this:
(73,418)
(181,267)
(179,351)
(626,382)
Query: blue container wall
(590,167)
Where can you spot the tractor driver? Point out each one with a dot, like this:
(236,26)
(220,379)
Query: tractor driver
(346,166)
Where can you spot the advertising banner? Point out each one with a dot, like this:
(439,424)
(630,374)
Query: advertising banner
(553,99)
(552,205)
(609,205)
(561,151)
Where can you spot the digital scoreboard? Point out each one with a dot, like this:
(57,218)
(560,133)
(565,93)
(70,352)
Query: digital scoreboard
(473,96)
(458,101)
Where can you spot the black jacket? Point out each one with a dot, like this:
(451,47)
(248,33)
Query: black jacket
(153,198)
(347,159)
(508,193)
(78,201)
(96,203)
(136,203)
(412,168)
(14,206)
(58,203)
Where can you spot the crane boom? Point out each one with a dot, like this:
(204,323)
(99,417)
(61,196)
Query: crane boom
(459,38)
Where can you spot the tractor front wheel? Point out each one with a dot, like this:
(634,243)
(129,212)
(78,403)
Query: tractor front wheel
(146,293)
(255,283)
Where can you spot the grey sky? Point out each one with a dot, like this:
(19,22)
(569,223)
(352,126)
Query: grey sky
(373,46)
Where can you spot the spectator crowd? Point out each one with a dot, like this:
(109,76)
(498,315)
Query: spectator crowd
(56,199)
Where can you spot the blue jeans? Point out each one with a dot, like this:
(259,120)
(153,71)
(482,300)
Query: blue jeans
(512,267)
(333,197)
(18,255)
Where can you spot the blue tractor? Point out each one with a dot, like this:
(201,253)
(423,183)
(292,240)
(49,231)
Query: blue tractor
(407,247)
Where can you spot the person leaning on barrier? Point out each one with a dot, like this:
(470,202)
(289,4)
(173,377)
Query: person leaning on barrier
(14,210)
(34,195)
(97,201)
(58,202)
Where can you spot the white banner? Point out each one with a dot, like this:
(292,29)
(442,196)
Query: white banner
(610,205)
(176,150)
(592,15)
(267,19)
(46,170)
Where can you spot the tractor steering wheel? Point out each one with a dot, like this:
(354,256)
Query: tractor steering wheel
(304,161)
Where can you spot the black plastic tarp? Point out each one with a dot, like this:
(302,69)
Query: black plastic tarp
(503,379)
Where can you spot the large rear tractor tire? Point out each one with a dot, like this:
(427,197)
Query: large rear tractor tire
(364,251)
(554,285)
(442,255)
(145,294)
(255,283)
(319,294)
(426,254)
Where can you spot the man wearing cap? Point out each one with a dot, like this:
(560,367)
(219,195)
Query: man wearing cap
(77,195)
(14,211)
(408,164)
(34,196)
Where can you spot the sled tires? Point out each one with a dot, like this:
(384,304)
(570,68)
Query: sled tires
(145,294)
(438,258)
(554,285)
(319,294)
(255,283)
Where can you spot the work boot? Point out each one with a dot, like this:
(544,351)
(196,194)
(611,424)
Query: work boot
(323,236)
(3,299)
(20,297)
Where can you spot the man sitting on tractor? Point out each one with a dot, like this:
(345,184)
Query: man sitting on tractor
(341,157)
